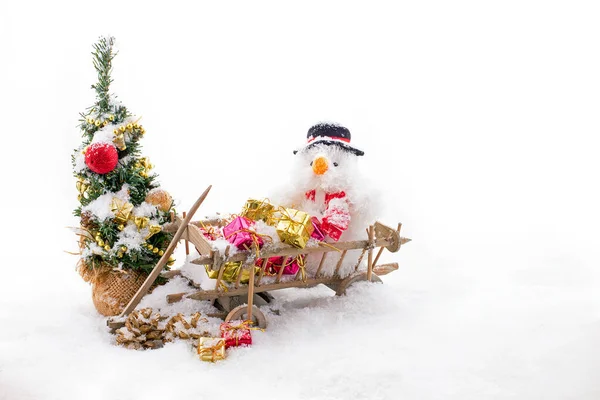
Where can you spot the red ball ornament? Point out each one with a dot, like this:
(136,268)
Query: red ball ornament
(101,157)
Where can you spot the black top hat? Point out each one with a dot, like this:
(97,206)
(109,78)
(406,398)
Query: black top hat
(330,135)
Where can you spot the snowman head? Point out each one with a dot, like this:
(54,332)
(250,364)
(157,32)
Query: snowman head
(328,161)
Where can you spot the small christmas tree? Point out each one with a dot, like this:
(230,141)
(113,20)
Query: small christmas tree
(122,208)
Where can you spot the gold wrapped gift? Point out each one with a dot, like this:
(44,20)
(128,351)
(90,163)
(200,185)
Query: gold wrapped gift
(294,227)
(211,349)
(230,274)
(121,209)
(257,210)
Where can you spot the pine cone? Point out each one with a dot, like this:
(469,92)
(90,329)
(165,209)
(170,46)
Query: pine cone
(87,221)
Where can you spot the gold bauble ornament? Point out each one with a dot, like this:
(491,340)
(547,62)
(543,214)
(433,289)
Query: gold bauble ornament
(122,128)
(161,252)
(120,255)
(106,247)
(155,250)
(129,127)
(159,198)
(100,242)
(123,249)
(97,122)
(111,117)
(149,247)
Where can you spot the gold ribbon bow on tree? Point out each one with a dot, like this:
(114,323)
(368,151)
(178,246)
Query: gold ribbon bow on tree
(121,209)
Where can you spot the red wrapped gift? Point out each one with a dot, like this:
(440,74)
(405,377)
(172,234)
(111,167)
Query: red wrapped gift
(317,231)
(236,333)
(239,233)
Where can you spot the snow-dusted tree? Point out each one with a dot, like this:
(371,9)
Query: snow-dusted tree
(122,208)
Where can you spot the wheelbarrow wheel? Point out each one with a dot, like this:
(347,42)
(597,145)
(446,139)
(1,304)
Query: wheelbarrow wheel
(241,312)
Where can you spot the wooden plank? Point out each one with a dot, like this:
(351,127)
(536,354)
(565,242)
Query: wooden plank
(282,249)
(135,300)
(385,269)
(197,238)
(175,297)
(214,294)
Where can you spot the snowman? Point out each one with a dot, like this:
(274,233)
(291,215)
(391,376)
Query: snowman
(325,182)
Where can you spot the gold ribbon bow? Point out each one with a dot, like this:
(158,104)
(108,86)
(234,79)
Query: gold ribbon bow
(211,349)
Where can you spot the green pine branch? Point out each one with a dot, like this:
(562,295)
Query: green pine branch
(103,55)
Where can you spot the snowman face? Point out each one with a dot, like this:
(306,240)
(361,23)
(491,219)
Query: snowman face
(327,167)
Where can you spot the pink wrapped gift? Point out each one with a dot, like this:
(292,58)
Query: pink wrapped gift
(240,233)
(274,264)
(317,232)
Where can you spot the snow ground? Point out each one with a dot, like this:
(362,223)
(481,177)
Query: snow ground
(478,121)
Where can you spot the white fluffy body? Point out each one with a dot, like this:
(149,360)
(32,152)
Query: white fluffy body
(346,176)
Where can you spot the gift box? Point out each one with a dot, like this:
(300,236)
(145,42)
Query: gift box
(239,233)
(211,349)
(257,210)
(294,227)
(231,272)
(210,232)
(236,333)
(274,264)
(317,230)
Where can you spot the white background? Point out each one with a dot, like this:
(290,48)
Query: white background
(478,120)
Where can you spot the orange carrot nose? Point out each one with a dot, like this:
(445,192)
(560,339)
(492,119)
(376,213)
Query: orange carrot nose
(320,165)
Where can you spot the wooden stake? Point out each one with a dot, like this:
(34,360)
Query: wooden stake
(339,264)
(371,243)
(321,265)
(221,269)
(251,292)
(285,260)
(378,254)
(187,244)
(135,300)
(360,258)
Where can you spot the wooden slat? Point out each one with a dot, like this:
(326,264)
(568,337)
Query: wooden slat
(239,276)
(261,273)
(282,249)
(320,265)
(280,272)
(360,258)
(339,263)
(378,255)
(135,300)
(250,292)
(213,294)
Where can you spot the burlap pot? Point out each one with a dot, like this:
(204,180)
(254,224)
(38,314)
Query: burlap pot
(112,290)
